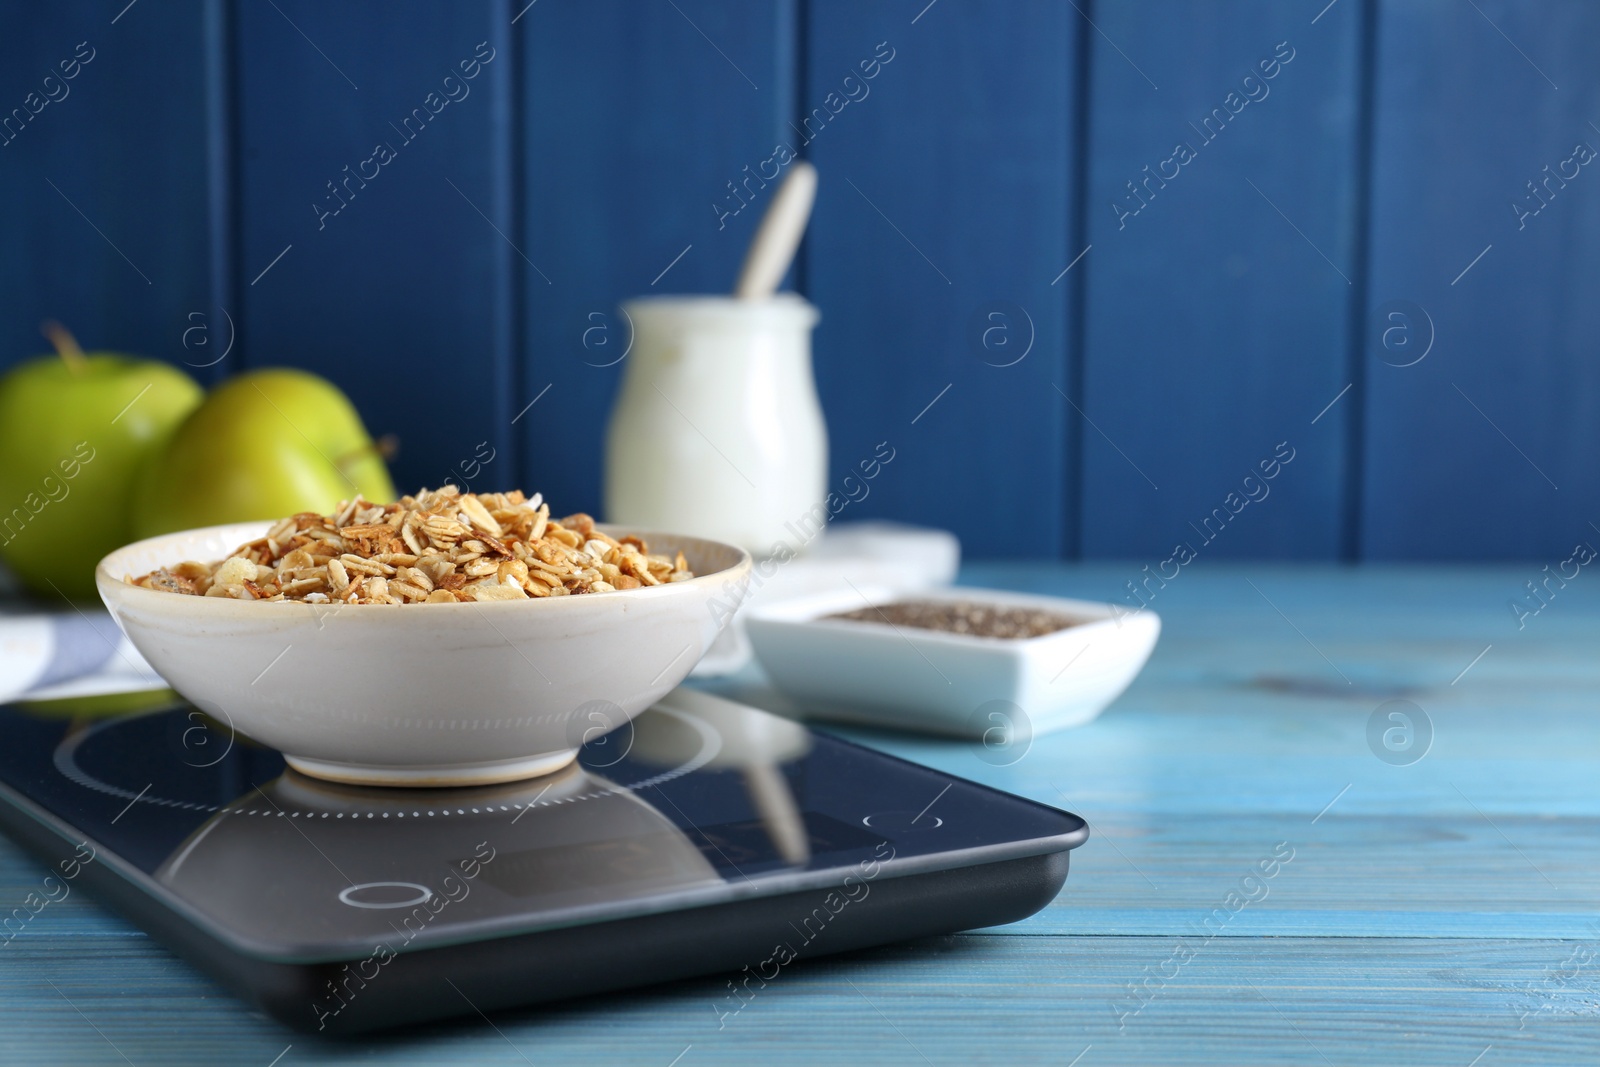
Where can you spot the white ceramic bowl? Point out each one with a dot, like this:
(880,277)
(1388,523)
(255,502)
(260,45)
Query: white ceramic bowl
(423,694)
(948,683)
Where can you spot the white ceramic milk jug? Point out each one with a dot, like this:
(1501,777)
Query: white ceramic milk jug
(717,431)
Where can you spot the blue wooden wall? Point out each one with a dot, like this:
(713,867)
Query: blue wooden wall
(1092,269)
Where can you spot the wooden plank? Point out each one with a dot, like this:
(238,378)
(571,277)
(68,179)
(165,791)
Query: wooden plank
(1482,449)
(1170,874)
(397,285)
(106,184)
(959,1000)
(623,162)
(943,220)
(1218,297)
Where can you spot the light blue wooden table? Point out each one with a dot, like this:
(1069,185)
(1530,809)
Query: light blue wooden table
(1443,912)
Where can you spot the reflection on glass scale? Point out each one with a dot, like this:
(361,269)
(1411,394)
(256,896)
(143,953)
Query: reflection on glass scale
(697,793)
(562,842)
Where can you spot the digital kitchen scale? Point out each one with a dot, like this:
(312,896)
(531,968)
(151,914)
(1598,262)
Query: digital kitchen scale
(702,837)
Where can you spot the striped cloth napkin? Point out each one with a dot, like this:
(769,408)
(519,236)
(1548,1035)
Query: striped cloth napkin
(67,653)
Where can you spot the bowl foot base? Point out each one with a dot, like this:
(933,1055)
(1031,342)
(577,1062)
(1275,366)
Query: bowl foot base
(489,772)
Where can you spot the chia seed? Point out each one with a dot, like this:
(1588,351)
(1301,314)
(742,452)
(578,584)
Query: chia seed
(970,617)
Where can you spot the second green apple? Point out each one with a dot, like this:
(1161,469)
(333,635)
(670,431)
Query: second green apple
(265,444)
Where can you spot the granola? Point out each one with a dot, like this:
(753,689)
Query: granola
(441,546)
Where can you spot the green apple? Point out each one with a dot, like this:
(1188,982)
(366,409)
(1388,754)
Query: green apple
(74,428)
(265,444)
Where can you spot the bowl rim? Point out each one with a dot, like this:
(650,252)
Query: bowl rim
(111,584)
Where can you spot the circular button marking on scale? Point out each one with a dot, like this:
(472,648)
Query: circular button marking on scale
(385,895)
(901,821)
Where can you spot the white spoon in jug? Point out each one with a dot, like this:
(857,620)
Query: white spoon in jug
(778,236)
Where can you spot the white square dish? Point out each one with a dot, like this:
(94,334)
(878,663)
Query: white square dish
(955,684)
